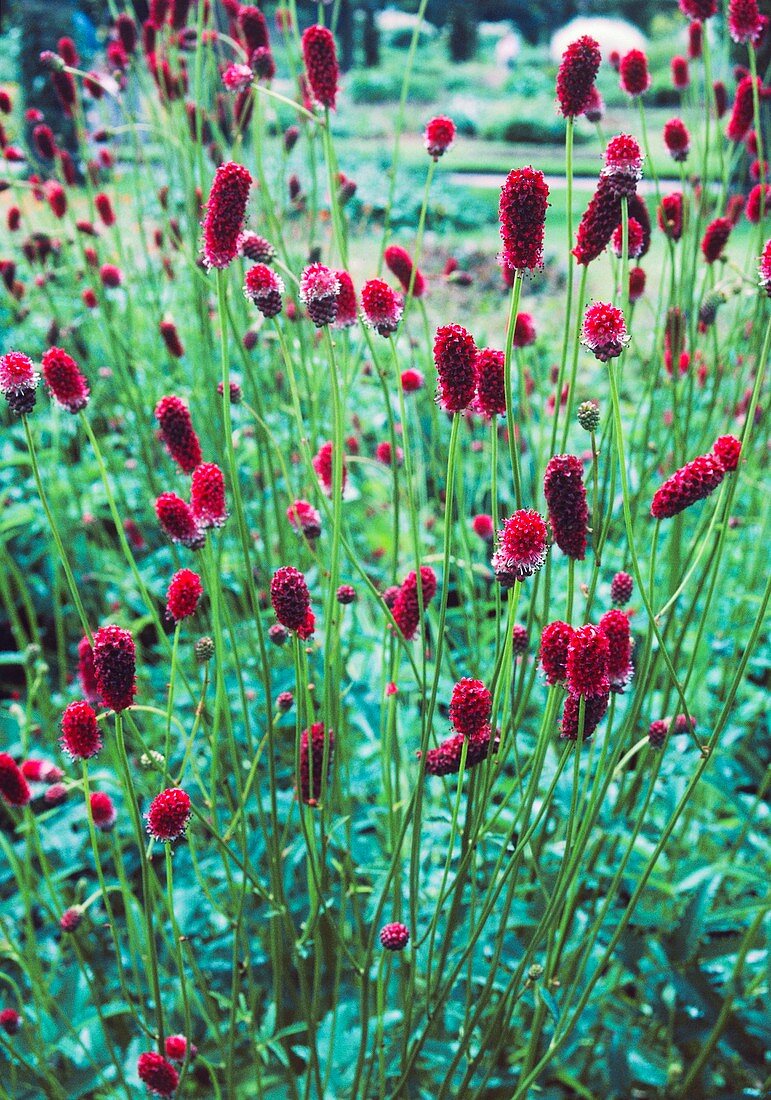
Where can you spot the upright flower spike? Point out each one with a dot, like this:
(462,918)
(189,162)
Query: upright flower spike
(595,708)
(81,738)
(207,496)
(563,487)
(312,761)
(633,73)
(178,522)
(522,545)
(18,382)
(183,595)
(321,68)
(177,432)
(381,307)
(455,356)
(169,815)
(587,662)
(677,139)
(292,601)
(600,218)
(347,306)
(553,652)
(102,811)
(691,483)
(319,288)
(86,671)
(470,706)
(115,667)
(681,76)
(623,165)
(491,391)
(170,337)
(614,624)
(670,215)
(439,136)
(446,758)
(639,212)
(400,263)
(576,75)
(603,331)
(715,239)
(745,23)
(324,465)
(264,287)
(14,788)
(743,109)
(225,214)
(406,607)
(522,212)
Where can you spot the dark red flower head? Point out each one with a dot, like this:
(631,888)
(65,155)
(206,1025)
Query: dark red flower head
(614,624)
(764,270)
(439,136)
(18,381)
(594,711)
(677,139)
(633,73)
(292,601)
(491,391)
(745,23)
(758,203)
(225,214)
(601,217)
(177,1047)
(321,67)
(324,465)
(264,287)
(743,109)
(347,306)
(455,358)
(207,496)
(524,331)
(670,215)
(553,654)
(102,809)
(184,592)
(575,78)
(563,487)
(406,607)
(681,77)
(14,788)
(446,758)
(587,663)
(522,546)
(694,40)
(170,337)
(522,212)
(319,288)
(177,520)
(254,27)
(604,331)
(157,1074)
(399,261)
(304,517)
(158,11)
(110,275)
(177,432)
(470,706)
(634,242)
(698,9)
(394,936)
(81,738)
(715,239)
(169,814)
(44,141)
(621,588)
(623,165)
(381,307)
(115,666)
(86,672)
(692,482)
(10,1021)
(312,743)
(727,448)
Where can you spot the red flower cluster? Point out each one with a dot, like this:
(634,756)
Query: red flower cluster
(177,520)
(347,306)
(18,382)
(522,212)
(623,165)
(225,214)
(320,57)
(292,601)
(470,706)
(758,203)
(600,218)
(455,358)
(64,380)
(169,814)
(323,464)
(207,496)
(522,546)
(576,75)
(563,487)
(115,666)
(696,480)
(670,215)
(764,271)
(633,73)
(634,242)
(177,1046)
(604,331)
(698,9)
(621,588)
(677,139)
(399,261)
(490,389)
(553,652)
(381,307)
(184,592)
(439,136)
(304,517)
(319,288)
(102,809)
(587,662)
(406,608)
(159,1075)
(446,758)
(743,109)
(394,936)
(595,707)
(264,287)
(614,625)
(312,744)
(81,738)
(14,788)
(170,337)
(524,331)
(715,239)
(745,23)
(177,432)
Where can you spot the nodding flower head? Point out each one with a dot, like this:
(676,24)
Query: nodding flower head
(399,261)
(522,545)
(304,518)
(691,483)
(406,604)
(595,707)
(14,788)
(715,239)
(178,522)
(439,136)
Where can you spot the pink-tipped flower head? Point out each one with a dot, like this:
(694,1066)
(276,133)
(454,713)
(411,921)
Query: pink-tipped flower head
(399,262)
(102,810)
(10,1021)
(614,624)
(522,213)
(183,595)
(691,483)
(321,68)
(81,738)
(764,270)
(157,1074)
(491,391)
(698,9)
(603,331)
(633,73)
(587,662)
(71,919)
(522,545)
(169,814)
(264,287)
(715,239)
(236,77)
(319,288)
(677,139)
(635,239)
(470,706)
(406,605)
(670,215)
(304,518)
(177,432)
(324,465)
(728,449)
(563,487)
(553,652)
(347,305)
(18,382)
(745,23)
(743,110)
(225,214)
(623,165)
(14,788)
(439,136)
(207,496)
(595,707)
(576,75)
(115,666)
(455,358)
(381,307)
(394,936)
(178,522)
(292,601)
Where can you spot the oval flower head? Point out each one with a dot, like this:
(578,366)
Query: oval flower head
(225,214)
(522,545)
(439,136)
(604,331)
(381,307)
(169,815)
(522,213)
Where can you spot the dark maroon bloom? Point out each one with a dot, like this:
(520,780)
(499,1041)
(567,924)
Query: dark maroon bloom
(65,90)
(446,758)
(55,794)
(519,638)
(86,671)
(312,743)
(103,812)
(321,67)
(598,223)
(170,337)
(491,391)
(104,208)
(406,608)
(698,9)
(264,287)
(253,27)
(399,261)
(110,275)
(694,40)
(81,738)
(347,306)
(169,814)
(553,653)
(633,73)
(522,212)
(14,788)
(563,487)
(727,448)
(670,215)
(115,666)
(604,331)
(64,380)
(575,78)
(262,63)
(621,588)
(291,601)
(56,197)
(346,594)
(715,239)
(524,331)
(177,433)
(595,708)
(10,1021)
(587,663)
(71,918)
(381,307)
(677,139)
(207,496)
(764,271)
(304,517)
(439,136)
(657,733)
(225,214)
(256,248)
(470,706)
(623,165)
(455,358)
(639,212)
(758,202)
(394,936)
(126,30)
(44,141)
(319,288)
(743,110)
(721,98)
(693,482)
(323,464)
(153,1070)
(177,1048)
(278,634)
(184,592)
(614,624)
(522,546)
(681,77)
(13,218)
(159,9)
(745,23)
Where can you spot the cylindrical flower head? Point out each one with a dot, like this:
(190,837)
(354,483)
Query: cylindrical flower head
(320,57)
(104,208)
(715,239)
(621,588)
(455,358)
(636,284)
(698,9)
(575,77)
(347,306)
(563,487)
(553,653)
(324,465)
(57,198)
(745,23)
(225,214)
(169,814)
(519,638)
(177,520)
(305,518)
(319,288)
(601,217)
(614,624)
(439,136)
(446,758)
(399,261)
(157,1074)
(594,110)
(177,432)
(18,381)
(727,448)
(44,141)
(381,307)
(256,248)
(677,139)
(743,109)
(692,482)
(102,810)
(184,592)
(594,711)
(603,331)
(758,203)
(81,738)
(312,743)
(86,672)
(764,271)
(292,601)
(406,608)
(694,40)
(524,331)
(670,215)
(115,666)
(639,211)
(470,706)
(491,391)
(588,415)
(177,1048)
(207,496)
(14,788)
(170,337)
(587,663)
(634,239)
(264,287)
(522,545)
(522,212)
(394,936)
(633,73)
(623,165)
(657,733)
